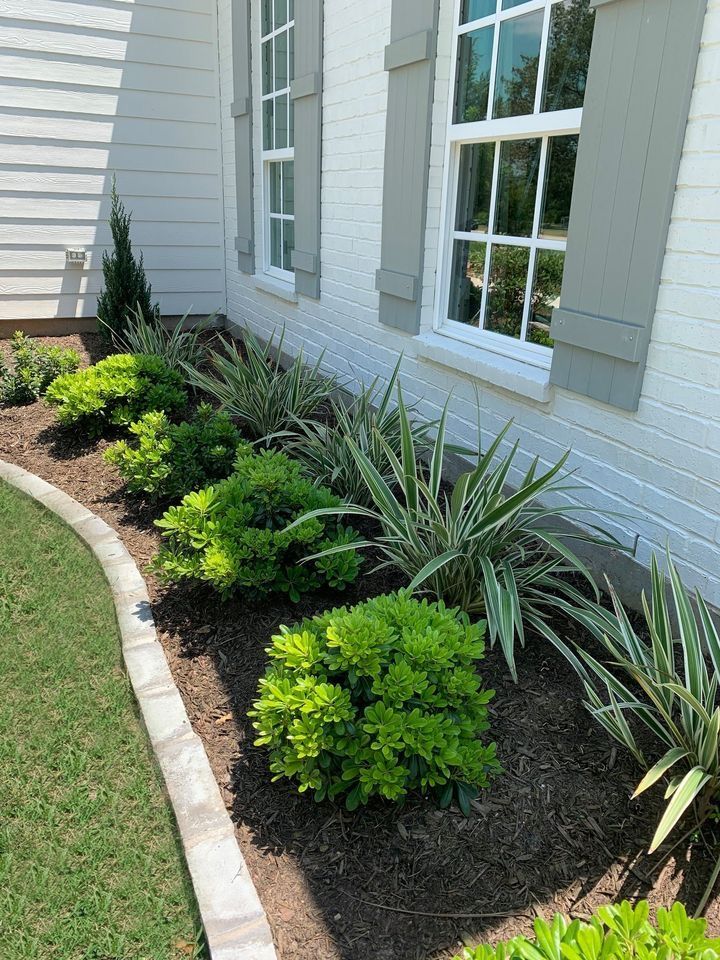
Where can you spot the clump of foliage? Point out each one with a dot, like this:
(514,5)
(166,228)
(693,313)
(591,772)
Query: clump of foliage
(491,553)
(126,286)
(178,347)
(678,707)
(615,932)
(378,701)
(253,387)
(35,366)
(233,535)
(116,391)
(324,447)
(168,460)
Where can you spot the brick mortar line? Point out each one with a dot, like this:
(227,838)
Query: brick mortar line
(236,926)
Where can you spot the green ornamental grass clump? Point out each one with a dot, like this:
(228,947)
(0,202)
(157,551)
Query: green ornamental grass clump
(116,392)
(168,460)
(616,932)
(35,366)
(379,700)
(233,535)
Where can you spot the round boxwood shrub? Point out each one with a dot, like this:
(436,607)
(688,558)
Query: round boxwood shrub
(234,534)
(116,391)
(168,460)
(378,700)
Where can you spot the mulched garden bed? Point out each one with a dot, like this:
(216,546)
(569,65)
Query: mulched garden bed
(557,831)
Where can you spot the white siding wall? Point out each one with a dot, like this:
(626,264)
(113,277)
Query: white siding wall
(660,465)
(92,87)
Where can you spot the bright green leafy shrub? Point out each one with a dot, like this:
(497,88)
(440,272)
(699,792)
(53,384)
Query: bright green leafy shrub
(621,932)
(379,700)
(35,367)
(116,391)
(168,460)
(233,535)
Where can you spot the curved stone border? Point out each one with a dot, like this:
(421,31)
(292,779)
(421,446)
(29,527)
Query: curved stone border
(235,924)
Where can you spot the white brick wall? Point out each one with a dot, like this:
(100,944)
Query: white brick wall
(661,465)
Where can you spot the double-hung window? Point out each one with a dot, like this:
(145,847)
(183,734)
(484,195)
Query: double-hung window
(520,68)
(277,53)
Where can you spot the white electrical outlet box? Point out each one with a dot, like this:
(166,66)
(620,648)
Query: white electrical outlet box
(76,255)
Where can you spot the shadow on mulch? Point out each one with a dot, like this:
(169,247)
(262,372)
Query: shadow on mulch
(556,831)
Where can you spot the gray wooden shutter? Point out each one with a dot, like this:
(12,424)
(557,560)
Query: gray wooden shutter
(306,93)
(241,110)
(410,61)
(642,70)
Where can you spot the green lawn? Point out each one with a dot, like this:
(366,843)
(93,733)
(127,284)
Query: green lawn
(90,864)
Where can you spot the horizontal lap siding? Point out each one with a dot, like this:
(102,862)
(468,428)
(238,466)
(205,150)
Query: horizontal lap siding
(661,465)
(88,89)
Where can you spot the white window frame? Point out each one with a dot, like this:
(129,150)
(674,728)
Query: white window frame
(273,156)
(535,125)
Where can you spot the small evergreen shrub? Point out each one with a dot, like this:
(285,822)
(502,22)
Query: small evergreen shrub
(126,286)
(378,700)
(35,366)
(169,460)
(233,535)
(116,391)
(619,932)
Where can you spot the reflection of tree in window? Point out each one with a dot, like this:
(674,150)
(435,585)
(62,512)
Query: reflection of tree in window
(473,75)
(568,55)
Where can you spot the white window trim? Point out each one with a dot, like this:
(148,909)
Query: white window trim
(540,125)
(284,277)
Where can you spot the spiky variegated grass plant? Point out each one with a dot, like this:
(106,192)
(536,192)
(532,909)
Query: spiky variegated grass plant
(677,705)
(176,346)
(370,421)
(253,387)
(493,554)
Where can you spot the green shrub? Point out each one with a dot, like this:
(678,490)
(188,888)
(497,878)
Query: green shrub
(493,554)
(233,535)
(680,709)
(126,286)
(177,347)
(379,700)
(620,932)
(168,460)
(252,386)
(370,422)
(35,366)
(116,391)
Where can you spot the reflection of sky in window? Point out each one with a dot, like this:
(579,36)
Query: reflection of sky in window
(518,58)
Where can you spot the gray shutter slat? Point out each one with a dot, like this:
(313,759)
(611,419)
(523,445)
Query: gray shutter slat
(410,61)
(306,93)
(640,82)
(241,111)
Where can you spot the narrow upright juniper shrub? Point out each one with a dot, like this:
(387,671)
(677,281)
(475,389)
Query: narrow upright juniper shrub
(126,285)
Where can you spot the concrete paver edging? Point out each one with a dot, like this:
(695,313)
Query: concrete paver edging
(235,923)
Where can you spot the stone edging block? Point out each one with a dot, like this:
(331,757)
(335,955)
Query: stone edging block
(236,927)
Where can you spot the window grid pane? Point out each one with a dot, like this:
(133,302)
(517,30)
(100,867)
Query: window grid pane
(277,64)
(512,195)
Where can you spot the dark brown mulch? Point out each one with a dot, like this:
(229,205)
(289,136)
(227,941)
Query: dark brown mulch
(557,831)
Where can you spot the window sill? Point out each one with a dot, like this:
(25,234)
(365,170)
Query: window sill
(516,376)
(277,288)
